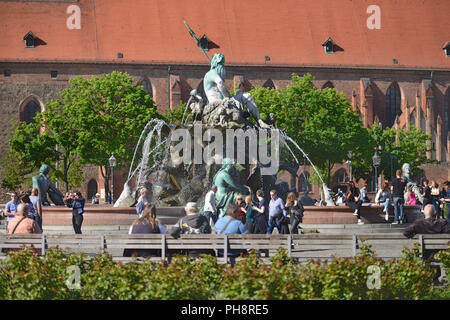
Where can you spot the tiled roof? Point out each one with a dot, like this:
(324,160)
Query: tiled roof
(290,32)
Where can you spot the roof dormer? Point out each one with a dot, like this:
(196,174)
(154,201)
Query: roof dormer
(446,49)
(30,40)
(329,46)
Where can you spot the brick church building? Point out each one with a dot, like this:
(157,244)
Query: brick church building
(391,58)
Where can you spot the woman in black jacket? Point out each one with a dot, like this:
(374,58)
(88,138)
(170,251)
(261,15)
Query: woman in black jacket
(295,211)
(353,200)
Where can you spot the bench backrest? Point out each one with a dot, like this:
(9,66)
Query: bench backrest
(436,241)
(89,244)
(318,245)
(17,241)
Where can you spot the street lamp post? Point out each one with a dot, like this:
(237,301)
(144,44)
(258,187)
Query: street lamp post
(349,161)
(112,164)
(392,157)
(376,162)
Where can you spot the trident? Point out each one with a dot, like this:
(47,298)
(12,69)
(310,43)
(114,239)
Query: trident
(196,39)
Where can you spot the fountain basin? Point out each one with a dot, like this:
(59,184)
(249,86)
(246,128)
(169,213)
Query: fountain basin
(342,214)
(108,215)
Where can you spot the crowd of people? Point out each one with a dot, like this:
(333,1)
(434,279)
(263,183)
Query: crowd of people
(247,215)
(398,194)
(24,213)
(243,217)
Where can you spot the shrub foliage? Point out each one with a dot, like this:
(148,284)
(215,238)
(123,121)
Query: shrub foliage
(24,275)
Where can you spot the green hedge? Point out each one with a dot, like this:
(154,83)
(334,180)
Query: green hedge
(27,276)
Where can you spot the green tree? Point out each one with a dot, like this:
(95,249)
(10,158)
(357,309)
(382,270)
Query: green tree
(321,122)
(175,116)
(92,119)
(106,114)
(52,140)
(13,170)
(400,146)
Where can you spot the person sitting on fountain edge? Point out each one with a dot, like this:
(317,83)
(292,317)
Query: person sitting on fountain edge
(353,200)
(384,198)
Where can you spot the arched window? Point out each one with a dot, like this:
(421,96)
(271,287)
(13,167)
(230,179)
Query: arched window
(92,189)
(328,84)
(340,177)
(147,86)
(393,101)
(29,111)
(303,182)
(269,84)
(447,112)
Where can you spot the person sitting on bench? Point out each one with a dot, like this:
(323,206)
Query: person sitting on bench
(230,224)
(429,225)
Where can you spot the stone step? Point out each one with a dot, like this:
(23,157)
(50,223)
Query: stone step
(321,228)
(355,228)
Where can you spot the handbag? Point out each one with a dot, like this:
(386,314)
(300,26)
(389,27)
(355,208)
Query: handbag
(298,214)
(284,219)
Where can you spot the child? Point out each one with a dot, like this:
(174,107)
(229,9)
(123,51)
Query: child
(412,201)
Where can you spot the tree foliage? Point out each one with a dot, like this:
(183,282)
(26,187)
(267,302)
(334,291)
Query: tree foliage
(177,115)
(50,140)
(407,145)
(13,170)
(107,113)
(321,122)
(92,119)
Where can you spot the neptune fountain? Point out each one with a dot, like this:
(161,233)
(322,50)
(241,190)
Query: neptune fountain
(223,141)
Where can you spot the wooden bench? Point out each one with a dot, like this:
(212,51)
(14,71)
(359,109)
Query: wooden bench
(17,241)
(116,244)
(323,246)
(92,245)
(435,241)
(387,245)
(300,247)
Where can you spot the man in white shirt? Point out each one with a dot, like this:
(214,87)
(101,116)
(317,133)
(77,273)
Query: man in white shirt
(210,205)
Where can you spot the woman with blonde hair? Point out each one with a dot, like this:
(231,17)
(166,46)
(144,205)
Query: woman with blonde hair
(147,223)
(384,198)
(295,210)
(142,201)
(250,214)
